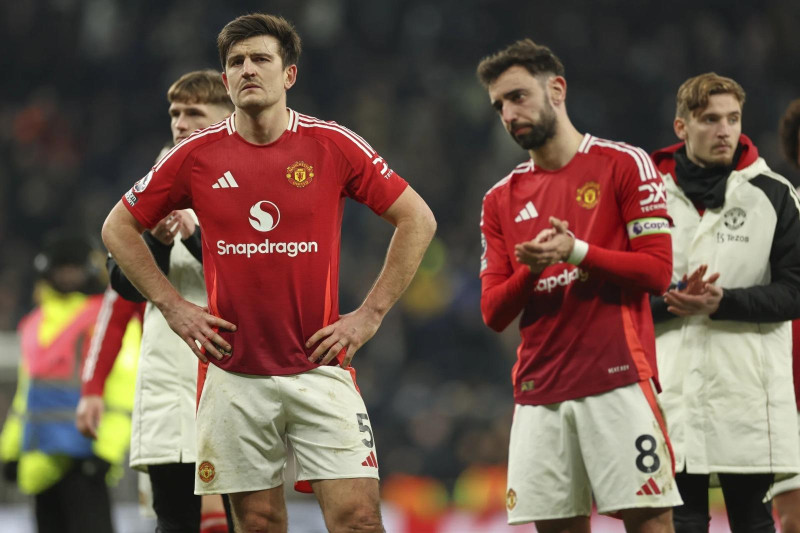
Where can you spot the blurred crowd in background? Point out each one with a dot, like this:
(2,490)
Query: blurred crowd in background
(84,114)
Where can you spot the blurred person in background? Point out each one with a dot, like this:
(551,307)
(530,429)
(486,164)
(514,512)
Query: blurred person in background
(163,440)
(786,493)
(586,422)
(66,472)
(268,186)
(723,331)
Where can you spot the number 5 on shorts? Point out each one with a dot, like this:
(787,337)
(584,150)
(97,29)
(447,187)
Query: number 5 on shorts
(363,427)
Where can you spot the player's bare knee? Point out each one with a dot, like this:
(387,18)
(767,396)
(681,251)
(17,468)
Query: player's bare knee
(269,520)
(255,523)
(358,518)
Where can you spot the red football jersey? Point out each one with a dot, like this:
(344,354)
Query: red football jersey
(271,218)
(582,334)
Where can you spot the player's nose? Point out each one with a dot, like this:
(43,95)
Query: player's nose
(509,115)
(725,129)
(248,67)
(181,123)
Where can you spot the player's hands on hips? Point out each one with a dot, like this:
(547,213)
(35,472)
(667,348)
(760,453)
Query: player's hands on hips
(195,325)
(551,246)
(695,295)
(349,333)
(88,415)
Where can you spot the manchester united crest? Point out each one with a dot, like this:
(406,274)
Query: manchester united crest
(300,174)
(511,499)
(734,218)
(588,195)
(206,472)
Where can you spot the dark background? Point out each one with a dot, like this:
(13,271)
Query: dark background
(83,114)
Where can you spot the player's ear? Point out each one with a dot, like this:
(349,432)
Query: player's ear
(679,125)
(289,77)
(225,82)
(557,89)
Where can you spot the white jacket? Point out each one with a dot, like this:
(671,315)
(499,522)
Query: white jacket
(727,384)
(166,387)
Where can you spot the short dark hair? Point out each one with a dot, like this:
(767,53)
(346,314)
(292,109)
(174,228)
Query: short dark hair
(694,93)
(255,24)
(535,58)
(200,87)
(789,131)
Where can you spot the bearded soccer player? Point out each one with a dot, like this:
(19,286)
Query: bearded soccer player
(268,185)
(574,239)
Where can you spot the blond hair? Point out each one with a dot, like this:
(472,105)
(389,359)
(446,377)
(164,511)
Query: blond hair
(200,87)
(694,93)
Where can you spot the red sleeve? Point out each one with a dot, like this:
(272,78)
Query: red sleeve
(163,189)
(647,267)
(642,197)
(503,298)
(368,178)
(504,290)
(112,321)
(640,191)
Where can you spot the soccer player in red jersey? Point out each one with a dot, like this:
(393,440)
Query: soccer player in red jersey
(268,185)
(574,239)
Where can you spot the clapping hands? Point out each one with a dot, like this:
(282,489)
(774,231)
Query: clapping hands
(552,245)
(695,295)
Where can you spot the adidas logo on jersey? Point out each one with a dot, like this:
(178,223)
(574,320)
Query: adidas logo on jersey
(370,460)
(528,212)
(225,182)
(649,488)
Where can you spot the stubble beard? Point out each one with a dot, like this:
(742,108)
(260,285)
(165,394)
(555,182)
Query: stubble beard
(724,162)
(539,134)
(251,105)
(255,104)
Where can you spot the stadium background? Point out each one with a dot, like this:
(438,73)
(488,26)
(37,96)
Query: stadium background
(83,114)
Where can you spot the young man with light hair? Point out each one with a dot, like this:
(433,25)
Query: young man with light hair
(268,186)
(723,331)
(163,439)
(574,239)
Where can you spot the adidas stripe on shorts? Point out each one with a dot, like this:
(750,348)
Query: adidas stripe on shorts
(244,423)
(611,445)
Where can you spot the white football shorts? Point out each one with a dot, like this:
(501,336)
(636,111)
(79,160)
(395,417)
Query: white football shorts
(245,422)
(612,445)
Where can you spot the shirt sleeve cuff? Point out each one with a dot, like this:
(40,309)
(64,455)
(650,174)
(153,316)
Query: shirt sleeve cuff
(579,251)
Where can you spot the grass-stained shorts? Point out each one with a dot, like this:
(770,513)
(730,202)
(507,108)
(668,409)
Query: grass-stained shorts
(245,423)
(610,446)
